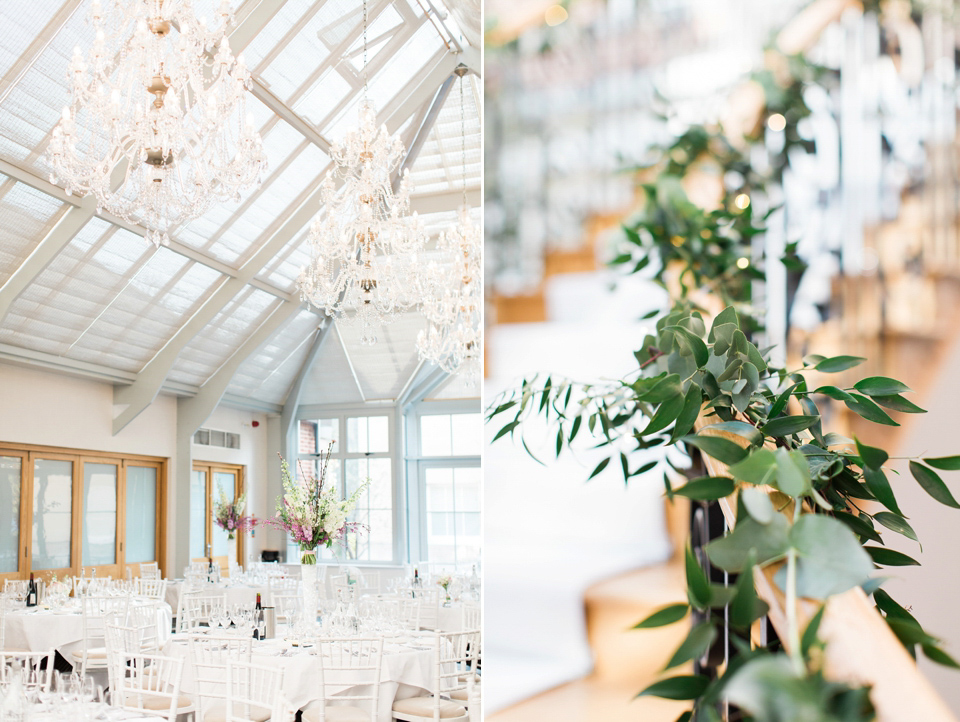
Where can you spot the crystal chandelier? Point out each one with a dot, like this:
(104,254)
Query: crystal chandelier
(453,295)
(364,247)
(157,129)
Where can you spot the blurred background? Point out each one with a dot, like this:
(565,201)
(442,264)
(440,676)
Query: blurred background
(847,112)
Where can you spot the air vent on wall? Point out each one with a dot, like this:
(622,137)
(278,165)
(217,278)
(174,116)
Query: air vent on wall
(212,437)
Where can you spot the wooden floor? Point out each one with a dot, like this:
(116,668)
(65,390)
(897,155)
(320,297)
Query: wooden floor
(626,660)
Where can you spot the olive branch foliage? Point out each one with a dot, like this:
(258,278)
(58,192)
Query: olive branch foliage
(809,501)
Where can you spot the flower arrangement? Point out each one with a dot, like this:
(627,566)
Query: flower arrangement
(311,514)
(228,515)
(445,581)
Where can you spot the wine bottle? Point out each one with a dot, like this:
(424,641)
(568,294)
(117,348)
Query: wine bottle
(31,592)
(257,618)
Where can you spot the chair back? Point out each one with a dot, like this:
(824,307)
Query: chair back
(96,613)
(120,640)
(252,687)
(210,656)
(39,664)
(370,582)
(471,616)
(195,608)
(145,618)
(357,659)
(287,606)
(153,587)
(149,570)
(151,685)
(429,607)
(409,613)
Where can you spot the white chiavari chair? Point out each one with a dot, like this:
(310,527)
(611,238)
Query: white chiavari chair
(16,587)
(254,694)
(120,639)
(153,587)
(195,608)
(358,659)
(40,663)
(451,657)
(209,657)
(429,598)
(287,607)
(369,582)
(145,618)
(150,685)
(95,612)
(149,570)
(471,616)
(409,613)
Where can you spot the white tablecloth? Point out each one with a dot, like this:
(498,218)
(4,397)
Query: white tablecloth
(40,630)
(242,594)
(406,671)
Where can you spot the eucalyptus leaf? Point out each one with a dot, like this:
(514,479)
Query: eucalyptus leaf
(768,541)
(879,486)
(895,522)
(598,468)
(698,588)
(741,428)
(898,403)
(681,687)
(880,386)
(864,407)
(872,457)
(723,450)
(745,607)
(811,631)
(707,488)
(890,557)
(944,463)
(833,392)
(758,468)
(830,559)
(687,417)
(793,474)
(933,484)
(836,364)
(788,425)
(664,616)
(758,505)
(697,641)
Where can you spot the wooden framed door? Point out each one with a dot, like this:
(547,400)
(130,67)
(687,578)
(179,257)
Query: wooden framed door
(101,530)
(207,480)
(53,518)
(141,502)
(14,470)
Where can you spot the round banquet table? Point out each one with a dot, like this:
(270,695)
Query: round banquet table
(40,630)
(449,618)
(406,669)
(239,594)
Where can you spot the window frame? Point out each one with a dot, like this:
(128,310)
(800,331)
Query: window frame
(415,463)
(317,413)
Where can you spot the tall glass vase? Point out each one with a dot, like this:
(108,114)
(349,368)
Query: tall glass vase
(308,578)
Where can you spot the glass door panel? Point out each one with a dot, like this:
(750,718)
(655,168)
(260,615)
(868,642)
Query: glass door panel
(52,514)
(11,484)
(99,535)
(198,514)
(225,481)
(141,514)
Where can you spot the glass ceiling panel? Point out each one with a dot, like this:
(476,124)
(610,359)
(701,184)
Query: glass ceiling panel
(274,32)
(22,23)
(26,216)
(303,172)
(384,368)
(268,374)
(220,338)
(282,271)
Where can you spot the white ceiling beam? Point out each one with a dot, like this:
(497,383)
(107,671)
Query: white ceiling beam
(139,395)
(252,17)
(288,415)
(266,96)
(443,201)
(60,235)
(423,132)
(97,372)
(193,411)
(426,379)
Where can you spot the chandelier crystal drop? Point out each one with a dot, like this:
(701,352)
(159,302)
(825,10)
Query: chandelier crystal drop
(157,128)
(364,247)
(453,292)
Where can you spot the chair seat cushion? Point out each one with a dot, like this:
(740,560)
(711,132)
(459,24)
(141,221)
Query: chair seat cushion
(311,713)
(424,706)
(94,653)
(460,695)
(218,713)
(154,702)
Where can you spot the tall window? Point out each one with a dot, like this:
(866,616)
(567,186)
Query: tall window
(362,450)
(450,488)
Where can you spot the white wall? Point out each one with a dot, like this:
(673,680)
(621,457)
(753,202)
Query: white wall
(50,409)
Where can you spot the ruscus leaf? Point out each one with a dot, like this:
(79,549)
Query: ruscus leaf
(664,616)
